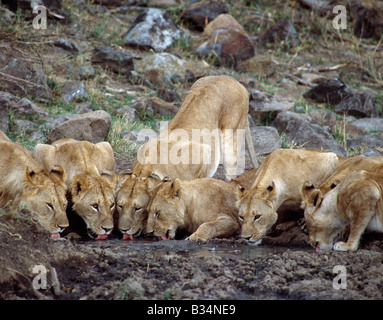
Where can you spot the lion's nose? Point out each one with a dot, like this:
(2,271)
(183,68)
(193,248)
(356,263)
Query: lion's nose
(107,230)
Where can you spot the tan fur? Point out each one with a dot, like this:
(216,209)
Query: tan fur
(357,202)
(24,184)
(312,196)
(134,193)
(132,198)
(214,103)
(204,207)
(90,178)
(245,180)
(278,183)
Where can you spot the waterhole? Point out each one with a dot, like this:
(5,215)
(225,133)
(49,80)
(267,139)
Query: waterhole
(185,248)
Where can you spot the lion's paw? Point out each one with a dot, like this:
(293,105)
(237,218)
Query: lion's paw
(196,237)
(341,246)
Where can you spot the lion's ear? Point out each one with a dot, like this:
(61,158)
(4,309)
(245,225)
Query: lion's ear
(153,181)
(270,192)
(124,176)
(78,183)
(175,188)
(240,190)
(315,197)
(109,177)
(59,173)
(31,175)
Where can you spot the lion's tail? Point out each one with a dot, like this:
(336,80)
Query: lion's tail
(250,145)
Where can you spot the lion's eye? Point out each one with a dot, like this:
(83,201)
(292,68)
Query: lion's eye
(156,214)
(50,206)
(257,217)
(119,207)
(138,210)
(95,206)
(112,206)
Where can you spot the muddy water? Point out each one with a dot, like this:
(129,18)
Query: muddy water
(185,248)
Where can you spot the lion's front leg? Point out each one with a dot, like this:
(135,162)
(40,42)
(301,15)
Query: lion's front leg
(357,227)
(219,228)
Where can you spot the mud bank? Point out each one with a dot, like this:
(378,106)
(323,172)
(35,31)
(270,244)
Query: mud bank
(179,269)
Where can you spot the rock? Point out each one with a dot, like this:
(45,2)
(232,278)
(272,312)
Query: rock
(139,136)
(129,113)
(331,91)
(113,60)
(322,117)
(68,45)
(7,16)
(165,68)
(161,3)
(82,71)
(25,80)
(21,108)
(4,120)
(201,13)
(109,3)
(370,152)
(358,105)
(370,124)
(258,65)
(282,30)
(74,91)
(23,126)
(154,105)
(228,41)
(84,107)
(168,95)
(373,140)
(369,23)
(263,106)
(153,29)
(305,134)
(265,139)
(92,126)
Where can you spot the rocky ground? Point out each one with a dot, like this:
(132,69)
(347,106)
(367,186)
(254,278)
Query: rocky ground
(105,70)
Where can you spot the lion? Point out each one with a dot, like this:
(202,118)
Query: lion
(278,184)
(26,185)
(208,128)
(90,179)
(133,195)
(313,196)
(216,106)
(132,198)
(357,201)
(204,207)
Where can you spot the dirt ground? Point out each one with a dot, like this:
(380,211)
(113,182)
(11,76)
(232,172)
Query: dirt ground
(284,266)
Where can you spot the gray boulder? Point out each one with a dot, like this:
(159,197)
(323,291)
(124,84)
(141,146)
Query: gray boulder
(370,124)
(265,139)
(153,29)
(92,126)
(373,140)
(329,91)
(25,79)
(358,105)
(113,60)
(306,134)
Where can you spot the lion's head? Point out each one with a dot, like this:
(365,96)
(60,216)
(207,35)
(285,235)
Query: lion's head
(165,210)
(93,200)
(44,196)
(323,220)
(257,212)
(132,197)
